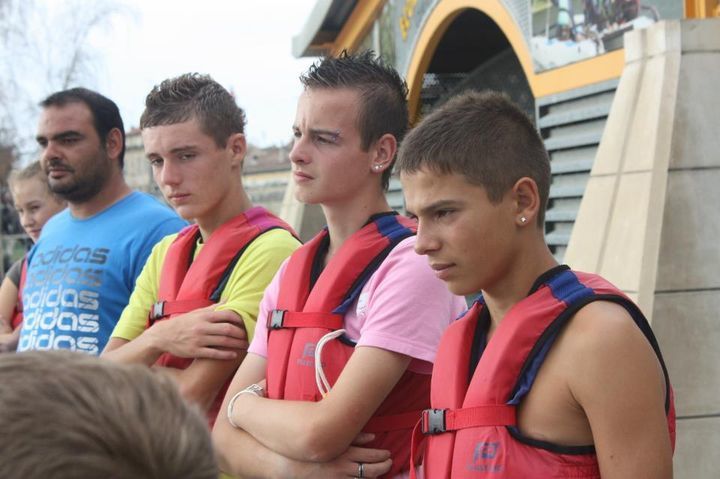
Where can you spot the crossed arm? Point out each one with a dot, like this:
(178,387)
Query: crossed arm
(308,439)
(216,340)
(215,337)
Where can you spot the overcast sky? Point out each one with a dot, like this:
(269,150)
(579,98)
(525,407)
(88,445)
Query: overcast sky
(244,44)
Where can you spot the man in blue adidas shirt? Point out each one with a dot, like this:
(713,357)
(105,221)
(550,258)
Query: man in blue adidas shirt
(83,268)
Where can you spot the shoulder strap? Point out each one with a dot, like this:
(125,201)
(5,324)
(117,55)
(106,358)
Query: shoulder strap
(358,258)
(187,284)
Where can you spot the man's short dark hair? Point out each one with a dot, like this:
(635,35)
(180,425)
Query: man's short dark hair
(383,94)
(194,96)
(485,138)
(105,112)
(66,415)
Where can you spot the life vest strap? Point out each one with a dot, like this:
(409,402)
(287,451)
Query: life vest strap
(417,444)
(437,421)
(394,422)
(163,309)
(280,319)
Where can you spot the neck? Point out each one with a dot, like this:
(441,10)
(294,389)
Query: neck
(344,220)
(515,282)
(234,203)
(115,190)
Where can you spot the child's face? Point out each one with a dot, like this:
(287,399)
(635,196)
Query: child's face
(467,238)
(34,204)
(330,166)
(194,174)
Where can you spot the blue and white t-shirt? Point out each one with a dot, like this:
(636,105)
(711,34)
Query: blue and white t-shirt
(82,271)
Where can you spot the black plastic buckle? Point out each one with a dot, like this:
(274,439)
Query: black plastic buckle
(433,421)
(158,310)
(277,317)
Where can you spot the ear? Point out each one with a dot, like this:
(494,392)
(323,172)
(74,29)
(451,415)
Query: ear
(384,152)
(114,143)
(237,145)
(527,201)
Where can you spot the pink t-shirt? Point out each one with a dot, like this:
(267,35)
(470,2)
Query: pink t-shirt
(402,308)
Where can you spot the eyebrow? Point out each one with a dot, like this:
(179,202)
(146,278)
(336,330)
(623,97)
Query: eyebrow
(61,135)
(321,131)
(29,203)
(180,149)
(435,206)
(335,134)
(183,148)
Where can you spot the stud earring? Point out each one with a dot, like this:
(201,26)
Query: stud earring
(376,167)
(523,219)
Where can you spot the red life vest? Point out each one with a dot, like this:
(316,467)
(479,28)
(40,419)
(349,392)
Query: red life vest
(187,284)
(17,317)
(472,430)
(306,313)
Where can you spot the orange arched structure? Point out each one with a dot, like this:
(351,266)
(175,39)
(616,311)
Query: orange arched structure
(562,79)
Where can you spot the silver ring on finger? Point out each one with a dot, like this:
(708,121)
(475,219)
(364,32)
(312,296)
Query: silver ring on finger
(361,470)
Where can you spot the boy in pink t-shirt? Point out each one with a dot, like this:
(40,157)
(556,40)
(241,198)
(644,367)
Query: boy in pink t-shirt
(361,275)
(402,308)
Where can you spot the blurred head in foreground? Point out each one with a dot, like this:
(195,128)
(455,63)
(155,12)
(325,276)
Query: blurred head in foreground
(67,415)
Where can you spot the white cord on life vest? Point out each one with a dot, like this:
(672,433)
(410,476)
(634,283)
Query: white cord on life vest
(320,378)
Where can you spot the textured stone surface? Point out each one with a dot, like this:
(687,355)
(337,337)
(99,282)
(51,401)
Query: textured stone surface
(634,44)
(696,137)
(687,327)
(663,37)
(585,247)
(611,148)
(690,240)
(701,35)
(648,142)
(622,260)
(696,452)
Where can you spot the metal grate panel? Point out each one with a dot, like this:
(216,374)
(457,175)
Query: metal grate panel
(571,125)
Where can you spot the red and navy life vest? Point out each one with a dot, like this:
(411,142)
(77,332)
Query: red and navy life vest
(306,312)
(189,282)
(17,317)
(471,430)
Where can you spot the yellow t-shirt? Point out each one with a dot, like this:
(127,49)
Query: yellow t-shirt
(242,294)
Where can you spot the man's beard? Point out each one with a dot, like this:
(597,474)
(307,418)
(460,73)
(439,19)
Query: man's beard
(84,185)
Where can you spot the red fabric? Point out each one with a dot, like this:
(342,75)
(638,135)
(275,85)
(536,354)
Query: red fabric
(187,284)
(294,319)
(291,365)
(17,317)
(490,451)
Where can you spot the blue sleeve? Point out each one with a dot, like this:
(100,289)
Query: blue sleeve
(168,226)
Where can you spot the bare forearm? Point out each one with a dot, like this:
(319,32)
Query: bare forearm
(296,429)
(321,431)
(241,455)
(141,350)
(203,379)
